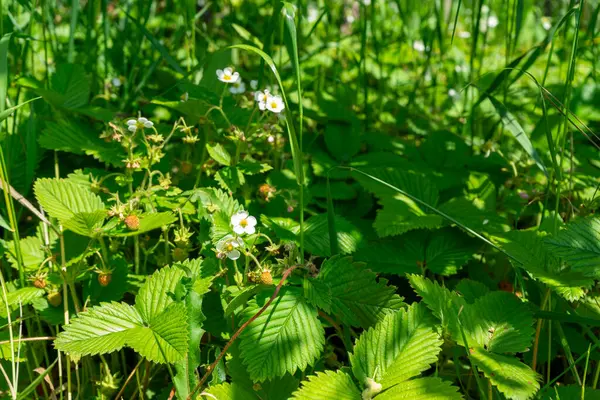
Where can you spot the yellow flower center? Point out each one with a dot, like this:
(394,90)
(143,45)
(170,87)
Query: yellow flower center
(227,77)
(229,247)
(273,105)
(243,223)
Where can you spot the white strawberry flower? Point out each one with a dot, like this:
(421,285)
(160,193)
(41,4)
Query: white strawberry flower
(141,123)
(243,223)
(261,98)
(275,104)
(228,246)
(227,75)
(253,84)
(238,87)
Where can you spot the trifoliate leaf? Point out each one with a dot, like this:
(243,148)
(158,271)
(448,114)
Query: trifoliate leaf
(513,378)
(165,339)
(286,337)
(328,385)
(471,290)
(398,348)
(422,389)
(75,206)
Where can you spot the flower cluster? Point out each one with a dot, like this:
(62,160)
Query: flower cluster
(267,101)
(141,123)
(242,223)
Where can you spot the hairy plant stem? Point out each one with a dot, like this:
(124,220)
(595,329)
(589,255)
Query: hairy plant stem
(212,366)
(538,330)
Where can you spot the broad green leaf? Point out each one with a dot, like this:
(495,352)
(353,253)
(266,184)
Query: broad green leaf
(75,138)
(75,206)
(499,322)
(316,235)
(99,330)
(413,183)
(471,290)
(400,214)
(398,348)
(153,297)
(230,391)
(513,378)
(72,85)
(148,222)
(32,251)
(328,385)
(230,178)
(537,259)
(165,338)
(422,389)
(218,153)
(286,337)
(444,304)
(22,296)
(357,298)
(578,245)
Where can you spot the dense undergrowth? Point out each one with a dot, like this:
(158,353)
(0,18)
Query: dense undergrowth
(321,200)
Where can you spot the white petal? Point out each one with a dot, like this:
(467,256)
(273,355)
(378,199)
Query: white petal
(233,255)
(131,122)
(240,241)
(250,230)
(227,71)
(220,73)
(132,128)
(142,120)
(148,124)
(233,90)
(235,77)
(254,84)
(238,229)
(238,217)
(262,105)
(251,221)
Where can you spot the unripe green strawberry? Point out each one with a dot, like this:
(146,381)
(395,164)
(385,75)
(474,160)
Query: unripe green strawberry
(55,299)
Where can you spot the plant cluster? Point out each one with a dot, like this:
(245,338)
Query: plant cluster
(357,200)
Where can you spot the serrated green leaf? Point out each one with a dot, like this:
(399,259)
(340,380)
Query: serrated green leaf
(71,83)
(230,178)
(400,214)
(316,235)
(286,337)
(318,293)
(218,153)
(68,202)
(328,385)
(578,245)
(513,378)
(165,339)
(398,348)
(471,290)
(422,389)
(444,304)
(153,297)
(357,298)
(499,322)
(74,138)
(22,296)
(32,251)
(148,222)
(230,391)
(534,256)
(99,330)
